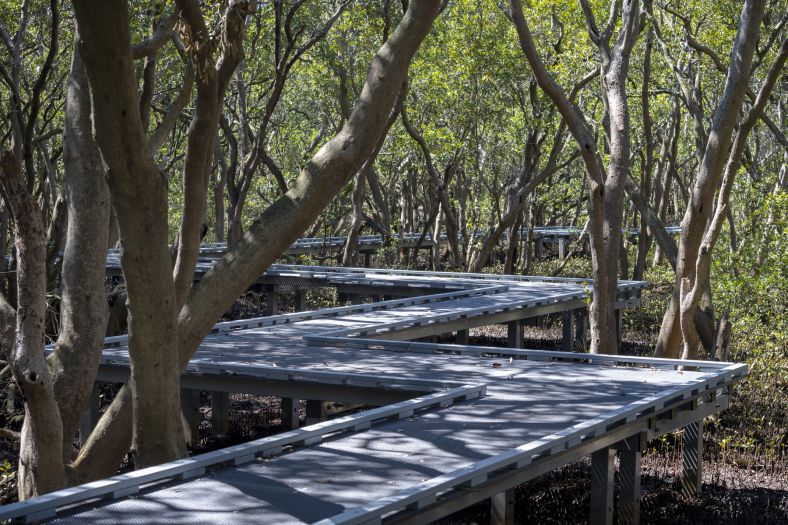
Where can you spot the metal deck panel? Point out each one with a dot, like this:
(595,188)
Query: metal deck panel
(526,401)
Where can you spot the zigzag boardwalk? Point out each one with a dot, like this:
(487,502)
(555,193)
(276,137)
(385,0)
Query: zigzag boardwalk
(460,423)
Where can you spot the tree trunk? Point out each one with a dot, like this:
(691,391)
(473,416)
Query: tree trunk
(696,283)
(700,206)
(278,226)
(74,361)
(644,237)
(606,190)
(41,466)
(139,198)
(350,252)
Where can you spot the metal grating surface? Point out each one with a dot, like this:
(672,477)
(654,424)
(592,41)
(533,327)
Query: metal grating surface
(526,401)
(534,402)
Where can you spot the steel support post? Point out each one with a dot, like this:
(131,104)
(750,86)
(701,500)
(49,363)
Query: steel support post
(315,411)
(300,300)
(568,341)
(272,299)
(220,413)
(90,416)
(602,470)
(462,337)
(581,330)
(290,419)
(502,508)
(561,248)
(515,331)
(692,459)
(629,471)
(190,414)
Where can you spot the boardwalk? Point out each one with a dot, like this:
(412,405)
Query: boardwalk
(467,423)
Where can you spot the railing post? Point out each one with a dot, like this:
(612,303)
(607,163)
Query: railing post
(568,341)
(315,411)
(290,419)
(190,414)
(581,331)
(272,298)
(220,413)
(300,300)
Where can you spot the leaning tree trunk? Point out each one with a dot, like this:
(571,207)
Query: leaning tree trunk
(281,224)
(644,237)
(74,361)
(41,466)
(350,252)
(668,154)
(700,207)
(512,249)
(606,190)
(692,292)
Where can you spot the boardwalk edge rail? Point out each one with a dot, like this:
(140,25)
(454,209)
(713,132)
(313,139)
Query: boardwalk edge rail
(46,506)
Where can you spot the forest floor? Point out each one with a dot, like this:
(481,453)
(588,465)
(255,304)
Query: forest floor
(745,476)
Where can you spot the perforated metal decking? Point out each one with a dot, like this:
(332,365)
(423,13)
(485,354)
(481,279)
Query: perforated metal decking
(463,424)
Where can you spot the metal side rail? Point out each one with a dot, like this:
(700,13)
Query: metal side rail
(46,506)
(736,370)
(451,275)
(482,311)
(276,320)
(300,375)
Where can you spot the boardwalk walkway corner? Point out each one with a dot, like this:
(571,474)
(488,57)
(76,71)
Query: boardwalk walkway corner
(455,424)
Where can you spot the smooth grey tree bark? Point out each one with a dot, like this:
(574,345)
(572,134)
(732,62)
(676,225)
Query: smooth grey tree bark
(41,467)
(693,285)
(606,182)
(700,206)
(74,361)
(269,235)
(139,198)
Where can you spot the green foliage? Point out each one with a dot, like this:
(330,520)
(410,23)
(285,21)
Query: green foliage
(6,469)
